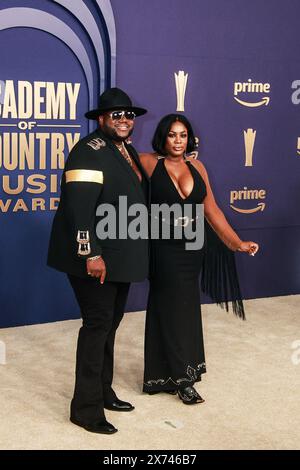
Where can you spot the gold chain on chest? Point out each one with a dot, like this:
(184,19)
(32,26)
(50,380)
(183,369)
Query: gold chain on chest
(125,153)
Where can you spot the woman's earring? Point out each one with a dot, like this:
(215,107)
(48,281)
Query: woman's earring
(194,154)
(128,141)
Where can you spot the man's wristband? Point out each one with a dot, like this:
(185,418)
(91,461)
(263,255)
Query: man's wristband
(93,258)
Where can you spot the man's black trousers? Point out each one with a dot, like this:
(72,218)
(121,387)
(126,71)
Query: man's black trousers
(102,308)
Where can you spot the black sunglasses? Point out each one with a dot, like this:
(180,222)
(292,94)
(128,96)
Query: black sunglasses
(117,115)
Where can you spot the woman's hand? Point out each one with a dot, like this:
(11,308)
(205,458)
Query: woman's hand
(249,247)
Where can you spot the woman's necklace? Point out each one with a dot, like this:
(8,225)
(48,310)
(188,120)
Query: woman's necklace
(125,153)
(183,160)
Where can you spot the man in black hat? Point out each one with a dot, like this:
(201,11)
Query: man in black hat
(100,168)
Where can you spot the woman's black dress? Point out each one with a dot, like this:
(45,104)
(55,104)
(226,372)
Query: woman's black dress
(174,351)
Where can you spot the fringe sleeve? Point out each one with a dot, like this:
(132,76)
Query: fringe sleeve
(219,278)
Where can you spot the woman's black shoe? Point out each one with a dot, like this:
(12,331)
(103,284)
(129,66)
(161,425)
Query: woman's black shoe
(189,396)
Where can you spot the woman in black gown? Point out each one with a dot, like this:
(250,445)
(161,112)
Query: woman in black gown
(174,351)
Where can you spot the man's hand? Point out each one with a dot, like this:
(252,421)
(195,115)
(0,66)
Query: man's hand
(96,268)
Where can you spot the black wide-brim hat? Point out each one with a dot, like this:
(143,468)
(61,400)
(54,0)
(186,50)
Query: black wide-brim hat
(111,100)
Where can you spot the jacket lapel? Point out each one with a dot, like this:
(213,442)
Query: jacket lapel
(125,165)
(136,158)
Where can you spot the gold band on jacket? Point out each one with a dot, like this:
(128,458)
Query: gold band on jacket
(84,176)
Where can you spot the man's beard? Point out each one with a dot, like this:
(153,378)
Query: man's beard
(112,134)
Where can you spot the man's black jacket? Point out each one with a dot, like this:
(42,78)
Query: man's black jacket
(97,173)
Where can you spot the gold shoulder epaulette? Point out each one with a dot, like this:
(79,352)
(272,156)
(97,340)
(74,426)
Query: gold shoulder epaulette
(96,143)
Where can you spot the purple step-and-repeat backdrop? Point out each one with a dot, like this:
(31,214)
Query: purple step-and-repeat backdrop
(234,68)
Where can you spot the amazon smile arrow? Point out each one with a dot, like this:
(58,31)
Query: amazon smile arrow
(265,101)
